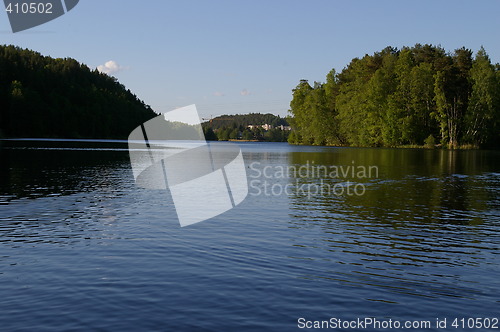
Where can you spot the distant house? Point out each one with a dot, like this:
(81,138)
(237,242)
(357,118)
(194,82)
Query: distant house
(267,127)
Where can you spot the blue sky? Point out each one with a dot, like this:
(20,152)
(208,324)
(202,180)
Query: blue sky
(246,56)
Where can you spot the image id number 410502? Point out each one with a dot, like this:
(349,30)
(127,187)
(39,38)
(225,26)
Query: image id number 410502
(476,323)
(29,8)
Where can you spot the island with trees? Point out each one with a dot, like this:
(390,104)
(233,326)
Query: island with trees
(416,96)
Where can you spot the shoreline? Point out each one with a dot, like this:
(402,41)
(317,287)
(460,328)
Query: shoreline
(415,147)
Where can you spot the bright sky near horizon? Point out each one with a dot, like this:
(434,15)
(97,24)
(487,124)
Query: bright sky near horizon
(246,56)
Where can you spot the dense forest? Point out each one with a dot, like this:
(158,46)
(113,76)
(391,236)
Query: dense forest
(234,127)
(419,95)
(61,98)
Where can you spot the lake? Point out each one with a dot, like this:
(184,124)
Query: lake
(83,248)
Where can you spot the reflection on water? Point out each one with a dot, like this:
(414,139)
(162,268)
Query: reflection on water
(429,215)
(82,248)
(47,169)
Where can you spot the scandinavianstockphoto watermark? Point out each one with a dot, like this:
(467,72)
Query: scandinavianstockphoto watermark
(309,180)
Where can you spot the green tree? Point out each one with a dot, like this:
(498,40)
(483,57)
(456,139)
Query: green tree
(423,104)
(443,108)
(223,134)
(234,134)
(352,101)
(401,114)
(300,112)
(247,135)
(452,89)
(209,133)
(481,116)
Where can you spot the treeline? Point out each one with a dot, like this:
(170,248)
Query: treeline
(245,120)
(235,127)
(413,96)
(61,98)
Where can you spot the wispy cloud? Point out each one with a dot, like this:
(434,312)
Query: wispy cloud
(110,67)
(245,92)
(219,94)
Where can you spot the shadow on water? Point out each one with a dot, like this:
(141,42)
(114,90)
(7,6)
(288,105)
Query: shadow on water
(33,169)
(412,185)
(60,191)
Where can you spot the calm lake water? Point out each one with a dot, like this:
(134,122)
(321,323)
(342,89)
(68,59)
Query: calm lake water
(83,248)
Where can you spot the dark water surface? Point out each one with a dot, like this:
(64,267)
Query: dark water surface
(82,248)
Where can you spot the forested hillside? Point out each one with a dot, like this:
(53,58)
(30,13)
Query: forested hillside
(413,96)
(61,98)
(232,127)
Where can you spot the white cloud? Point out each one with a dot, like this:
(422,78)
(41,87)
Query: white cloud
(245,92)
(110,67)
(219,94)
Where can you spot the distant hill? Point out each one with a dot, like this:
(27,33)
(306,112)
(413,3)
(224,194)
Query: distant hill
(61,98)
(236,127)
(245,120)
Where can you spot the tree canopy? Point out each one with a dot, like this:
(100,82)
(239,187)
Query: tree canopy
(61,98)
(411,96)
